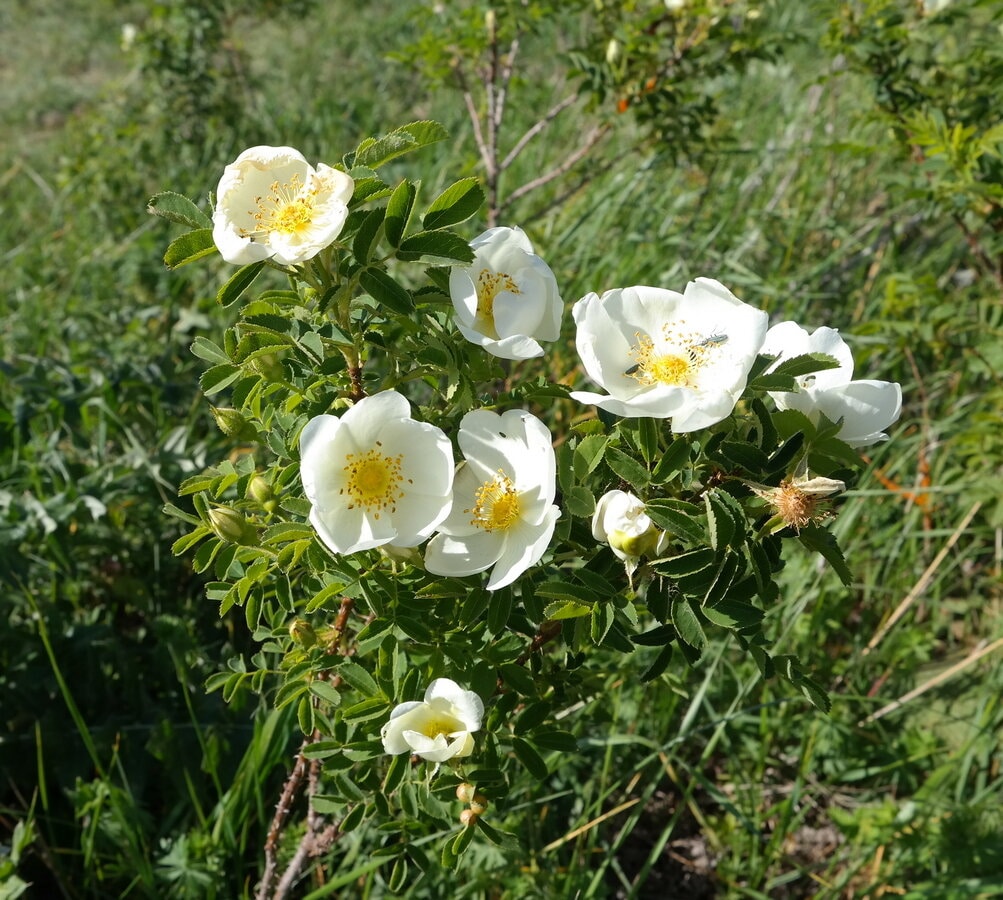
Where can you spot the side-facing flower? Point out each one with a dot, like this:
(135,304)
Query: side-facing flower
(503,513)
(438,728)
(375,476)
(865,407)
(507,299)
(621,521)
(272,204)
(664,355)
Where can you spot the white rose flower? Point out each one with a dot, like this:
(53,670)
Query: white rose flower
(865,407)
(507,299)
(664,355)
(438,728)
(272,204)
(503,514)
(375,476)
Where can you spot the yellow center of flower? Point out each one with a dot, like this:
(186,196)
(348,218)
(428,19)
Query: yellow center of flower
(374,480)
(287,208)
(489,285)
(444,725)
(679,366)
(497,504)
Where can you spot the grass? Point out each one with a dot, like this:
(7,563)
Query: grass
(706,782)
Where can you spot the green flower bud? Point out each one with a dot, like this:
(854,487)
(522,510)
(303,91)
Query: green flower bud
(232,423)
(260,490)
(232,527)
(302,632)
(468,817)
(635,544)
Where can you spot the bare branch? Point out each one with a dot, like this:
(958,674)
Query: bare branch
(551,114)
(594,136)
(503,82)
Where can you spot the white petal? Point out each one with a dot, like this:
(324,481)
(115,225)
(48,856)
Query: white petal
(524,545)
(866,408)
(367,418)
(463,554)
(463,293)
(466,705)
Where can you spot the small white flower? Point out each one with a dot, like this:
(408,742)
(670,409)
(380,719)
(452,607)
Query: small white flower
(865,407)
(375,476)
(507,299)
(621,522)
(503,514)
(438,728)
(662,354)
(272,204)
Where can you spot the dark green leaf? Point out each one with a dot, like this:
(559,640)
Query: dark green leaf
(628,468)
(733,614)
(528,756)
(386,291)
(238,282)
(679,519)
(189,247)
(748,457)
(672,461)
(358,678)
(375,152)
(437,245)
(205,349)
(455,204)
(687,623)
(218,377)
(399,208)
(806,364)
(588,454)
(686,563)
(814,537)
(178,208)
(367,235)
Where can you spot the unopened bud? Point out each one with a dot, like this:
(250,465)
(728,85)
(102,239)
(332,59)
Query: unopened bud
(465,792)
(614,50)
(479,804)
(635,545)
(232,423)
(468,817)
(302,632)
(261,490)
(232,527)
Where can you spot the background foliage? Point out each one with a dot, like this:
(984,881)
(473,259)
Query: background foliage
(831,162)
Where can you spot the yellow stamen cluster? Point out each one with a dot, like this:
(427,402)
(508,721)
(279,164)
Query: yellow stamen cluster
(287,208)
(497,504)
(679,367)
(489,285)
(374,480)
(445,725)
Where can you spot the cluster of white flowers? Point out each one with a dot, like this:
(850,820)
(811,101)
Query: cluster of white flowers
(377,478)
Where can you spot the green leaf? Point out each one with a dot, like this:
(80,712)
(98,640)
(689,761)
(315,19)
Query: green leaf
(326,691)
(239,282)
(746,456)
(806,364)
(562,590)
(686,563)
(499,611)
(178,208)
(218,377)
(673,460)
(687,623)
(553,739)
(399,208)
(677,518)
(569,609)
(437,245)
(730,518)
(359,678)
(735,614)
(455,204)
(647,438)
(814,537)
(526,754)
(189,247)
(205,349)
(375,152)
(628,468)
(589,454)
(385,291)
(602,620)
(368,234)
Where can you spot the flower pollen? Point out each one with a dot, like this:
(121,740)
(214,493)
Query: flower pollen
(497,504)
(374,480)
(688,353)
(287,209)
(445,726)
(489,285)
